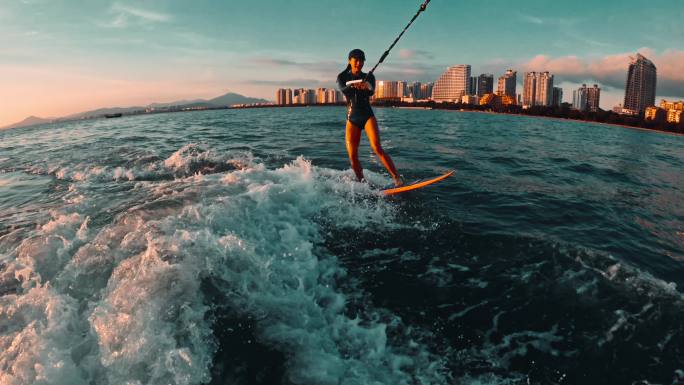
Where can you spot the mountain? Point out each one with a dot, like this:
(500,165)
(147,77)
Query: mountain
(232,98)
(176,103)
(104,111)
(222,101)
(30,121)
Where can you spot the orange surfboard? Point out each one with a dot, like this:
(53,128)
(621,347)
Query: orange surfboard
(416,185)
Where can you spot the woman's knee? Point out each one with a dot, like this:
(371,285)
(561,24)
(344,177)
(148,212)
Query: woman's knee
(377,149)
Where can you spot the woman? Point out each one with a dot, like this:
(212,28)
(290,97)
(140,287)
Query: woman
(360,115)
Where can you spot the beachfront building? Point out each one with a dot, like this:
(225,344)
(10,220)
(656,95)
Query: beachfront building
(284,96)
(557,98)
(387,90)
(674,116)
(586,98)
(321,95)
(413,90)
(426,90)
(640,89)
(485,84)
(666,105)
(670,112)
(452,84)
(496,101)
(304,96)
(332,96)
(507,84)
(674,110)
(537,89)
(470,99)
(472,85)
(656,114)
(579,98)
(593,98)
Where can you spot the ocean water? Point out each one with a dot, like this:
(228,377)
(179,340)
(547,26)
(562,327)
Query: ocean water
(235,247)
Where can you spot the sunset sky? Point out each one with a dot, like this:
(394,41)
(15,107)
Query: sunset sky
(59,57)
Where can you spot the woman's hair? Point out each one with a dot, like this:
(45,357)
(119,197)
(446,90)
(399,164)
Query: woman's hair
(348,67)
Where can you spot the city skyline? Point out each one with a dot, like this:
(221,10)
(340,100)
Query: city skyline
(60,58)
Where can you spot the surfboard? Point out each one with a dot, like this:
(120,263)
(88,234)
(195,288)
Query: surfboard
(417,185)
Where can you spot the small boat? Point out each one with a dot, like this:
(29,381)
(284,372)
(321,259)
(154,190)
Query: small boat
(116,115)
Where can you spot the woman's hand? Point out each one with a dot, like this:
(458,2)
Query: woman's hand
(361,86)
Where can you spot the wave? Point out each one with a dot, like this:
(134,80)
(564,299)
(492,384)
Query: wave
(124,302)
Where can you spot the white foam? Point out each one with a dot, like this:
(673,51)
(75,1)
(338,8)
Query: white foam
(189,160)
(130,296)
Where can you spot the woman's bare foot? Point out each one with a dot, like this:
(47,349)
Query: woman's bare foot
(398,182)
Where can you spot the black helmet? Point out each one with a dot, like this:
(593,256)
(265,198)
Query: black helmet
(358,54)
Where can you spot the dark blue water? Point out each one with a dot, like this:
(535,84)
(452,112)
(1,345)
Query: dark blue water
(235,247)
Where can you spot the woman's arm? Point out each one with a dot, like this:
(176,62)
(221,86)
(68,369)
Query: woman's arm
(342,85)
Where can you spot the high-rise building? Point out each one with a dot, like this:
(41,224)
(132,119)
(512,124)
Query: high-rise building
(485,84)
(385,89)
(557,97)
(414,90)
(452,84)
(321,95)
(304,96)
(593,98)
(332,96)
(507,84)
(472,85)
(426,90)
(537,89)
(529,88)
(284,96)
(579,98)
(545,89)
(586,98)
(640,89)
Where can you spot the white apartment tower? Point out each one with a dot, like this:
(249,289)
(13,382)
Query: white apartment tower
(284,96)
(537,89)
(453,84)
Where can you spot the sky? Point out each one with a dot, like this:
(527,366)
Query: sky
(59,57)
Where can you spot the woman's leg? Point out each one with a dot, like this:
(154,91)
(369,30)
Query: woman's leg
(374,138)
(353,137)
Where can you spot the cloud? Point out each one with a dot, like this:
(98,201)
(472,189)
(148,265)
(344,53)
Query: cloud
(125,14)
(529,18)
(392,70)
(611,70)
(324,67)
(415,54)
(140,13)
(273,62)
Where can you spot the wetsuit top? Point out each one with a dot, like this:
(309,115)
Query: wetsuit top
(358,101)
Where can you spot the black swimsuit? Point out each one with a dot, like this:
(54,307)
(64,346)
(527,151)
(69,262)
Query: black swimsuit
(358,101)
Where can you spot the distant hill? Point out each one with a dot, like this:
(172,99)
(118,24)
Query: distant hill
(176,103)
(30,121)
(104,111)
(233,98)
(222,101)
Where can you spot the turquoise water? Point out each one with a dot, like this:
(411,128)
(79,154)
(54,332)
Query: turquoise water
(235,247)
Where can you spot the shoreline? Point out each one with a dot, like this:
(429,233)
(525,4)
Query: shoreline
(553,118)
(427,108)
